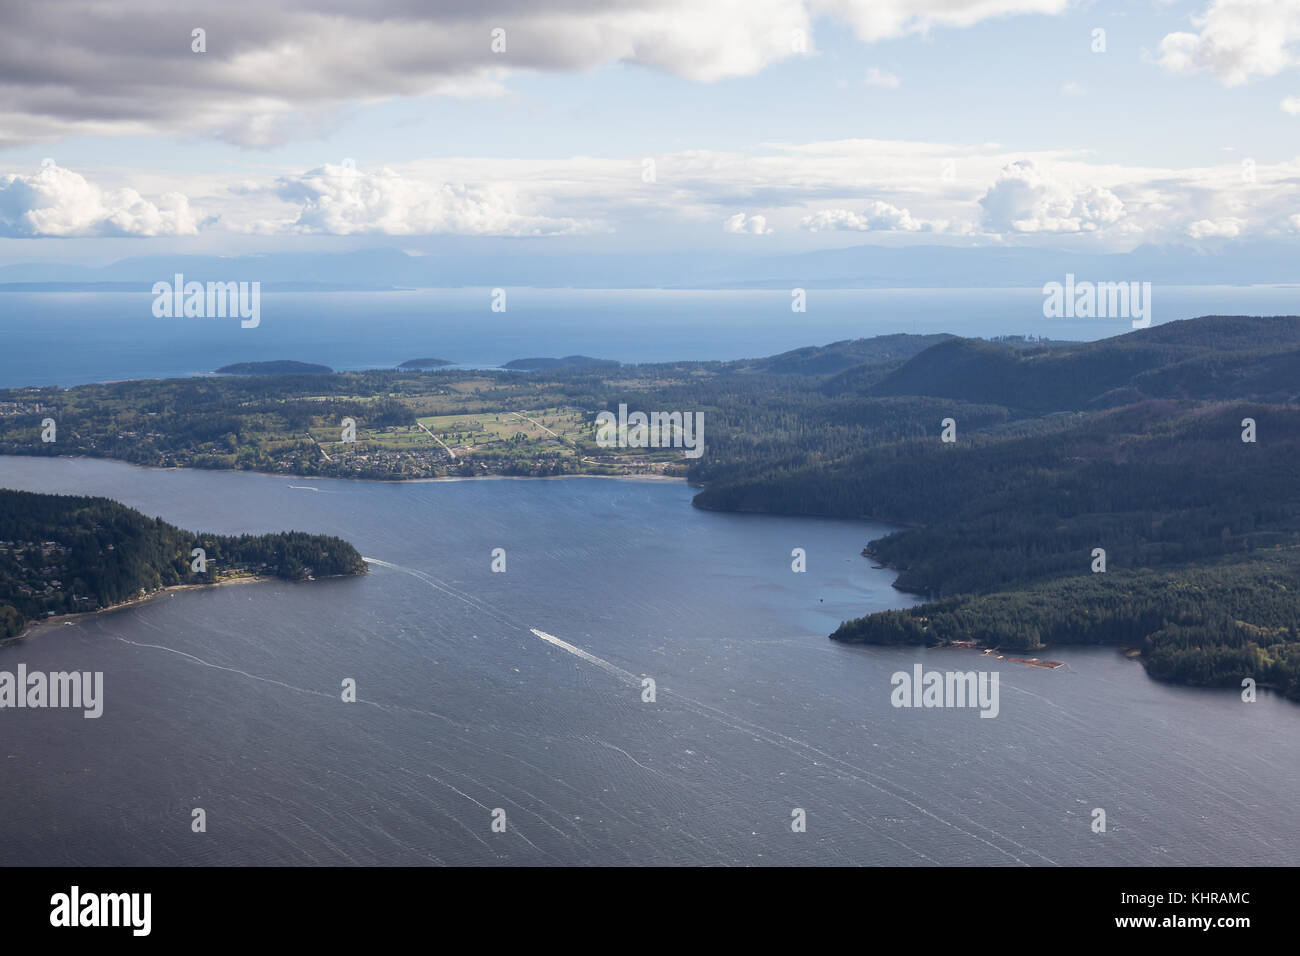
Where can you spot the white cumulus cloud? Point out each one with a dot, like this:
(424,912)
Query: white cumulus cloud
(877,217)
(1027,199)
(1235,40)
(343,201)
(740,224)
(1226,228)
(59,202)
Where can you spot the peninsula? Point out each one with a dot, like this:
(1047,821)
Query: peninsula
(68,554)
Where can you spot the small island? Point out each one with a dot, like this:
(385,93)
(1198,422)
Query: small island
(569,361)
(279,367)
(422,363)
(68,554)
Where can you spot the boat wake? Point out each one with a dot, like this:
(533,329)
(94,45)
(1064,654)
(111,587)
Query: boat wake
(448,589)
(589,658)
(956,821)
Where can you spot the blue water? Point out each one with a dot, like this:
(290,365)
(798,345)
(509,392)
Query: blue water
(74,338)
(228,699)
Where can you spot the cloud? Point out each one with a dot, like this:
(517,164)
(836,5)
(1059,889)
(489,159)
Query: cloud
(1026,199)
(877,217)
(1073,89)
(1291,105)
(1235,40)
(345,201)
(1229,228)
(59,202)
(276,72)
(888,81)
(914,189)
(740,224)
(885,19)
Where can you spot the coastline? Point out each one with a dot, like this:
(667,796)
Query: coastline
(383,481)
(873,519)
(32,628)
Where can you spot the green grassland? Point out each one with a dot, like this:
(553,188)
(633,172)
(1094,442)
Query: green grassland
(408,424)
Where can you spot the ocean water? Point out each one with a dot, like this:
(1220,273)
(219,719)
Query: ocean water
(228,699)
(74,338)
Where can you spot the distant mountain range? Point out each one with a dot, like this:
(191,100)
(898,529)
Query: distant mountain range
(863,266)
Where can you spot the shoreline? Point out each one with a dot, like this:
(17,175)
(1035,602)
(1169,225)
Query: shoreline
(32,628)
(992,652)
(869,519)
(385,481)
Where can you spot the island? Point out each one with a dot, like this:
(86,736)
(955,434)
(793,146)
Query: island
(420,363)
(68,554)
(568,362)
(278,367)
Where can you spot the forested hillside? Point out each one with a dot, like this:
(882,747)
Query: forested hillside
(1209,624)
(1174,450)
(1210,358)
(62,554)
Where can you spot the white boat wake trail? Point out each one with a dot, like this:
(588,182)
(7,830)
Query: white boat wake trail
(800,748)
(589,658)
(447,589)
(388,708)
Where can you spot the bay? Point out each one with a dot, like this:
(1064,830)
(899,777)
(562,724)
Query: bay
(228,699)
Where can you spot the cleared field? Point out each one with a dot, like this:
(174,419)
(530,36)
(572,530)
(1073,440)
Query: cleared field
(562,427)
(407,425)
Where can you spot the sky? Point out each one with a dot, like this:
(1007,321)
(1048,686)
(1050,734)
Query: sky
(704,126)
